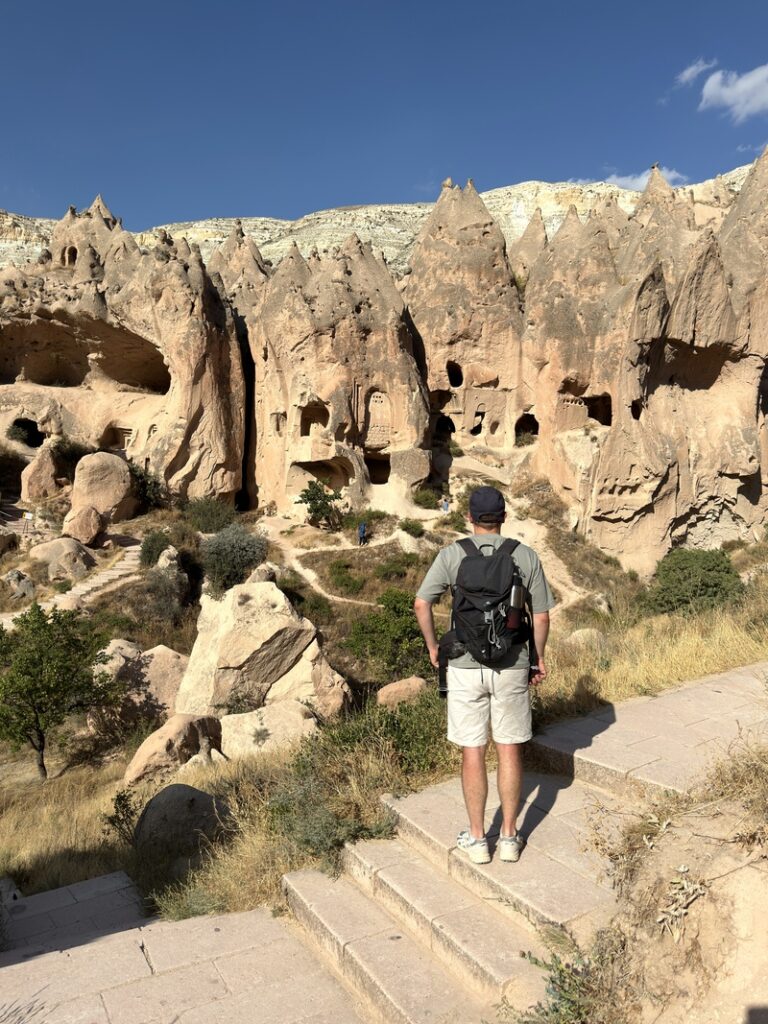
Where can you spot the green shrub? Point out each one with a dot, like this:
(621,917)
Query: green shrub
(396,567)
(693,580)
(454,521)
(344,580)
(390,638)
(154,544)
(455,449)
(524,439)
(231,555)
(148,488)
(426,497)
(208,515)
(67,453)
(412,527)
(369,516)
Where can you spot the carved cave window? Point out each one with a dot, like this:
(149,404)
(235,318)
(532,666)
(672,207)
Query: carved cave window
(314,415)
(455,374)
(378,420)
(477,426)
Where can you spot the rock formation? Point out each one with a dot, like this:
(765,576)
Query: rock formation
(624,335)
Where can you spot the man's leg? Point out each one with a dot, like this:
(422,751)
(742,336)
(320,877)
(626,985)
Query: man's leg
(474,782)
(510,782)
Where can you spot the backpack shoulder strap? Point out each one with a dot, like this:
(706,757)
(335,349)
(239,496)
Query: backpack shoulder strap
(508,547)
(468,546)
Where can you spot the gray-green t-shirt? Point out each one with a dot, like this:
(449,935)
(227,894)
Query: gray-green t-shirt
(442,575)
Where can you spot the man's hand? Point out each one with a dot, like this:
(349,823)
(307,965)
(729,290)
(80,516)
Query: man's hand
(538,673)
(433,655)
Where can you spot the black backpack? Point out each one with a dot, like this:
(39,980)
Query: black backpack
(481,602)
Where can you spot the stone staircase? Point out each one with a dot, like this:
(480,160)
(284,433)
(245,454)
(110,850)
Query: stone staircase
(412,932)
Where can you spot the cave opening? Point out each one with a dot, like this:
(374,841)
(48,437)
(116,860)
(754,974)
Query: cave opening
(599,408)
(26,432)
(526,430)
(116,438)
(70,256)
(477,425)
(379,467)
(334,473)
(455,374)
(313,415)
(637,408)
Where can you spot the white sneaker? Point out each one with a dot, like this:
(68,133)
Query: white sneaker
(476,849)
(510,848)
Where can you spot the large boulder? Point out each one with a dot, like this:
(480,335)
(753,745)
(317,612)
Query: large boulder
(404,690)
(148,680)
(163,671)
(103,482)
(66,558)
(176,825)
(83,524)
(271,728)
(41,478)
(245,643)
(172,745)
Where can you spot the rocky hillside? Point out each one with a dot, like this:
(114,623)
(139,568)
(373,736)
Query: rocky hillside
(391,229)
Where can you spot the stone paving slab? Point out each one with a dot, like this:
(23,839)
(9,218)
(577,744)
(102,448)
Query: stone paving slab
(663,742)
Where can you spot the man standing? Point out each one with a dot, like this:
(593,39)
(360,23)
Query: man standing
(496,693)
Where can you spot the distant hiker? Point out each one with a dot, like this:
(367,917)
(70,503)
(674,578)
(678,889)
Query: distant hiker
(362,534)
(445,505)
(489,658)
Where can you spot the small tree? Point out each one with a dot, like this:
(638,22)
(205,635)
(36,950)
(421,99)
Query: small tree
(322,504)
(49,670)
(231,555)
(391,638)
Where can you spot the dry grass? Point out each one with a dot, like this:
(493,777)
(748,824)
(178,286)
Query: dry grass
(51,834)
(374,569)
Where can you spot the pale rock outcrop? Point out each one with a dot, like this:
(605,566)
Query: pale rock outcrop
(83,524)
(66,558)
(401,691)
(313,681)
(267,729)
(356,421)
(527,249)
(103,482)
(41,478)
(247,643)
(163,671)
(172,745)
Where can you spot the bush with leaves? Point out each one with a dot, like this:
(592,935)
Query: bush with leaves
(209,515)
(322,504)
(67,453)
(427,497)
(150,491)
(152,546)
(693,580)
(231,555)
(412,527)
(343,579)
(397,567)
(390,638)
(49,669)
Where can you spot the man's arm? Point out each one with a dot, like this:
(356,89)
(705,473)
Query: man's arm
(426,621)
(540,634)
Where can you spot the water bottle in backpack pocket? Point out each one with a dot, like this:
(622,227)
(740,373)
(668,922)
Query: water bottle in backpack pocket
(489,613)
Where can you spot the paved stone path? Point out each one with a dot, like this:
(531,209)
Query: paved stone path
(412,932)
(93,586)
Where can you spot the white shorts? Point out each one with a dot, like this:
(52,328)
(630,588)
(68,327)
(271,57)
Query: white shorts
(481,697)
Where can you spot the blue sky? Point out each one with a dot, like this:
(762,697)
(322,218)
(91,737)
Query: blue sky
(183,110)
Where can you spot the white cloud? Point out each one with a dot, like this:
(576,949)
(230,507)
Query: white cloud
(742,96)
(692,72)
(639,181)
(745,147)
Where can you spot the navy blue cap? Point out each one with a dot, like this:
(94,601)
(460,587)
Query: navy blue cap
(487,504)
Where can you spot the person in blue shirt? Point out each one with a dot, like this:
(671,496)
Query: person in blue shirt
(362,534)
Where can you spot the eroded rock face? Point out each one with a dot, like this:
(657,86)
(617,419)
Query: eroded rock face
(339,397)
(125,349)
(172,745)
(270,728)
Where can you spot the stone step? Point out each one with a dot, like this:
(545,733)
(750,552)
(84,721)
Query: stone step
(399,980)
(476,943)
(650,745)
(559,881)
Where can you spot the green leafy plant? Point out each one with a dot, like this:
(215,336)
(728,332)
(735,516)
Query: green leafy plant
(396,567)
(121,823)
(454,521)
(152,546)
(693,580)
(412,527)
(524,439)
(343,579)
(390,637)
(455,449)
(322,504)
(209,515)
(231,555)
(150,491)
(49,670)
(426,497)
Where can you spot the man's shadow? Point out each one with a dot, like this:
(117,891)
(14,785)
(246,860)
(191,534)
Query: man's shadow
(555,764)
